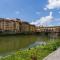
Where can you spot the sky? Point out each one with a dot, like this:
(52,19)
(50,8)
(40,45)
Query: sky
(37,12)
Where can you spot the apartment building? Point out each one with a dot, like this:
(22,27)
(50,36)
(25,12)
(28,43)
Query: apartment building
(32,28)
(25,27)
(18,25)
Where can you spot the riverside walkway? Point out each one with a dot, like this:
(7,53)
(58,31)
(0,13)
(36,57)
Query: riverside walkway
(53,56)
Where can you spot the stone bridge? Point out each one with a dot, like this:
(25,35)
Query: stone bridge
(49,30)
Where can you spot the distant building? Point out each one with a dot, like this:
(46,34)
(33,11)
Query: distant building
(18,26)
(25,27)
(32,28)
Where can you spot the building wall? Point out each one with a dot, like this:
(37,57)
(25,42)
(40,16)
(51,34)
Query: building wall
(24,27)
(18,26)
(32,28)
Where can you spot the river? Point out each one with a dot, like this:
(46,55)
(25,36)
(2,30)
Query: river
(10,44)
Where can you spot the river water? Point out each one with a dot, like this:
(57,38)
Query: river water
(9,44)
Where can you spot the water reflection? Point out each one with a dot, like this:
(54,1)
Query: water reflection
(10,44)
(37,43)
(53,36)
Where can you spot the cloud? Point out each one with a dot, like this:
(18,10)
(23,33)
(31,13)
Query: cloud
(17,12)
(52,4)
(45,8)
(55,22)
(37,13)
(44,21)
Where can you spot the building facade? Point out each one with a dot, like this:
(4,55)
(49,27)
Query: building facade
(18,26)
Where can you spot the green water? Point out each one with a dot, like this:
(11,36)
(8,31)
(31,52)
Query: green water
(9,43)
(14,43)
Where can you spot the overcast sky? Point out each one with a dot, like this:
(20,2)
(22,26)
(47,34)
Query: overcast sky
(38,12)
